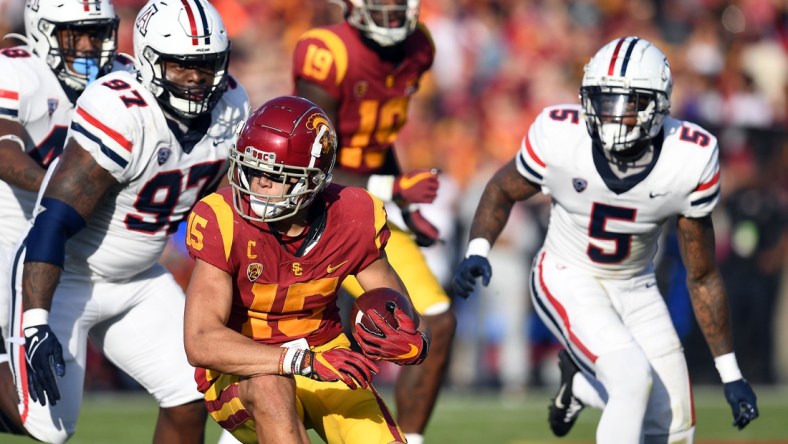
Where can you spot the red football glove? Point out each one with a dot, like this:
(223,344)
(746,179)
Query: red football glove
(403,346)
(426,233)
(339,364)
(418,186)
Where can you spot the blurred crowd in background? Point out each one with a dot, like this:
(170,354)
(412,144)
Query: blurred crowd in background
(498,63)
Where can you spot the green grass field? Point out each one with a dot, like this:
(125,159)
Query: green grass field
(459,418)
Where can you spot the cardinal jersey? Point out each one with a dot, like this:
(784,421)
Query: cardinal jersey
(279,297)
(31,94)
(603,224)
(161,172)
(374,93)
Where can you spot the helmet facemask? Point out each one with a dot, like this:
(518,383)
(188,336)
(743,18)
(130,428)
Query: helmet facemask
(79,67)
(188,101)
(298,185)
(385,22)
(622,120)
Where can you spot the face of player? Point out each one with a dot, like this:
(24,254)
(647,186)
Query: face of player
(190,78)
(388,13)
(81,44)
(620,108)
(271,185)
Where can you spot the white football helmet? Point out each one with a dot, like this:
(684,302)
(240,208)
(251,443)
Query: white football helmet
(187,32)
(45,19)
(290,141)
(387,22)
(627,81)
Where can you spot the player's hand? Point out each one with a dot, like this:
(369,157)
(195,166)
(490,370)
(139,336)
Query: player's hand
(44,357)
(426,233)
(472,267)
(743,403)
(403,345)
(341,364)
(418,186)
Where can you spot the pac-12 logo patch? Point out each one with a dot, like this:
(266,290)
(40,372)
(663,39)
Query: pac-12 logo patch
(51,106)
(163,155)
(579,184)
(253,271)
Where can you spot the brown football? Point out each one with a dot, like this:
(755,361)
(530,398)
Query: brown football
(382,300)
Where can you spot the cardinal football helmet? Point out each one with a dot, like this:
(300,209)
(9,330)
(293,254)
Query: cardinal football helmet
(288,140)
(46,19)
(626,93)
(189,32)
(386,22)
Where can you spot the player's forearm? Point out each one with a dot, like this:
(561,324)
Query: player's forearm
(39,281)
(349,179)
(711,312)
(232,353)
(16,167)
(491,214)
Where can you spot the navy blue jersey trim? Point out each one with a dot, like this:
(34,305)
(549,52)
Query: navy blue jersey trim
(104,148)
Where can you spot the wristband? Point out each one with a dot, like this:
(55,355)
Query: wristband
(34,317)
(728,368)
(14,138)
(478,247)
(381,186)
(291,361)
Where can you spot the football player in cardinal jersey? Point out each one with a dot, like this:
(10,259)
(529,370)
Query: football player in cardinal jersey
(142,148)
(67,46)
(262,324)
(363,72)
(616,167)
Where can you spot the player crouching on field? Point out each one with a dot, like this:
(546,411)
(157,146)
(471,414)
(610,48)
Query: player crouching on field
(262,324)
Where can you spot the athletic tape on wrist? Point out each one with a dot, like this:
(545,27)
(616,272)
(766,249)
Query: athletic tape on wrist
(34,317)
(478,247)
(381,186)
(728,367)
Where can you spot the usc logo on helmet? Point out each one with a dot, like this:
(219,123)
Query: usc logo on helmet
(317,122)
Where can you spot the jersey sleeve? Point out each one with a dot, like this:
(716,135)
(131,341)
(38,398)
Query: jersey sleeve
(706,194)
(209,235)
(321,57)
(107,128)
(381,231)
(530,159)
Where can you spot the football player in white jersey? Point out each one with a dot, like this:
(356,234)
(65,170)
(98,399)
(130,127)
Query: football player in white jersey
(616,167)
(68,45)
(141,150)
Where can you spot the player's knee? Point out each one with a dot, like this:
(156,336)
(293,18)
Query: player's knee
(625,373)
(191,414)
(442,325)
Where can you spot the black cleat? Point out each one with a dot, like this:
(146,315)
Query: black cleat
(564,408)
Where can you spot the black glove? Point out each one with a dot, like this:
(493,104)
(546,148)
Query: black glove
(44,354)
(464,280)
(426,233)
(742,400)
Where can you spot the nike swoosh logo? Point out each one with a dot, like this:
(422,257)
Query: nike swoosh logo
(652,194)
(331,269)
(409,182)
(651,284)
(414,351)
(560,395)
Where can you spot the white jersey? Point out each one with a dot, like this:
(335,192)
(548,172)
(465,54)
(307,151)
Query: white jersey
(160,175)
(603,224)
(31,94)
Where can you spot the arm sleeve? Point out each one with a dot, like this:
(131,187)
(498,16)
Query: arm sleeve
(321,57)
(209,235)
(706,194)
(105,127)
